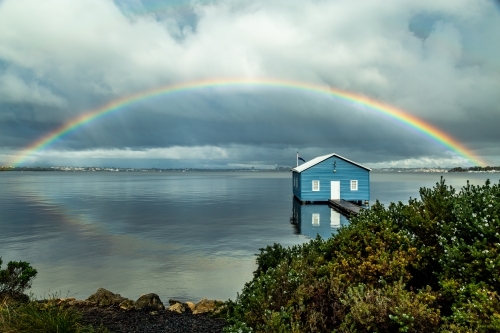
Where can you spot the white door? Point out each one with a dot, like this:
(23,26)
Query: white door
(315,219)
(335,190)
(334,218)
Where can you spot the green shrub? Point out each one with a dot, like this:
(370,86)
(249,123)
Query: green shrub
(427,266)
(475,309)
(389,308)
(16,278)
(237,327)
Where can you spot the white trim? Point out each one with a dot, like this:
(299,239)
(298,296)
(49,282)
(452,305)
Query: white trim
(354,185)
(313,187)
(320,159)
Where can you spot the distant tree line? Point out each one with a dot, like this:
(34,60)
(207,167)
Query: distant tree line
(475,168)
(9,168)
(105,169)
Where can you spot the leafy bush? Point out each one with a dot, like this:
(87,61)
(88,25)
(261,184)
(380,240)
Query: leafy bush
(427,266)
(32,315)
(16,278)
(369,309)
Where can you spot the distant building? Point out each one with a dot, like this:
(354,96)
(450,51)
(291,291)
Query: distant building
(331,177)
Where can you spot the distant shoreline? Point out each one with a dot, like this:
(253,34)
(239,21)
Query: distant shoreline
(113,169)
(475,169)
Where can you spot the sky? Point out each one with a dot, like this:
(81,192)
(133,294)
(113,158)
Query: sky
(434,60)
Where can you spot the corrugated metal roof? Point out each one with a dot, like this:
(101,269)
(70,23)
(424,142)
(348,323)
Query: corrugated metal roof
(320,159)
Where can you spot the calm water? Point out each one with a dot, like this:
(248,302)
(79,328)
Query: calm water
(180,235)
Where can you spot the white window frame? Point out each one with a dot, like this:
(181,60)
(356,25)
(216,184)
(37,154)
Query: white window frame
(313,183)
(315,219)
(354,185)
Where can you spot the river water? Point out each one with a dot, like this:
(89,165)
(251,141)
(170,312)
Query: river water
(182,235)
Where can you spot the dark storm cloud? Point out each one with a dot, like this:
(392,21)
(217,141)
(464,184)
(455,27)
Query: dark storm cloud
(259,119)
(437,61)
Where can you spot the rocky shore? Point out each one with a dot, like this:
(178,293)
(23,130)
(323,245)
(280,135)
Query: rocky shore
(146,314)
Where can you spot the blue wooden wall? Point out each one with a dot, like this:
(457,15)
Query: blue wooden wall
(296,184)
(323,171)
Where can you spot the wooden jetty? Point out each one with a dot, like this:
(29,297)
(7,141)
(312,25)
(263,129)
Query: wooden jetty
(345,207)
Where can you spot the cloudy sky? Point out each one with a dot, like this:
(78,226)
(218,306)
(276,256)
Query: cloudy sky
(436,60)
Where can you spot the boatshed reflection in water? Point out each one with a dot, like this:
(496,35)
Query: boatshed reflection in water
(316,219)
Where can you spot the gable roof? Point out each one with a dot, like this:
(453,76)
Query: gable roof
(320,159)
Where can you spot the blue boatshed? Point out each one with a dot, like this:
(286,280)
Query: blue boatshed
(331,177)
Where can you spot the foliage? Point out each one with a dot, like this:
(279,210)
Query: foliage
(369,308)
(20,314)
(476,169)
(42,316)
(16,278)
(431,265)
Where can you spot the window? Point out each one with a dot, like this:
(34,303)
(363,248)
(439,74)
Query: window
(354,185)
(315,219)
(315,185)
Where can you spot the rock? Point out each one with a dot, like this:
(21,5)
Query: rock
(149,302)
(104,297)
(127,305)
(190,305)
(220,309)
(206,306)
(177,307)
(64,301)
(81,303)
(183,307)
(173,301)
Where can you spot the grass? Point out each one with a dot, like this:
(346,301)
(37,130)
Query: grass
(42,316)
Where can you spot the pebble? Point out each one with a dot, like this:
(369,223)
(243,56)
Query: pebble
(138,321)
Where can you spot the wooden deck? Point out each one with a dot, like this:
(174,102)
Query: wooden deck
(345,207)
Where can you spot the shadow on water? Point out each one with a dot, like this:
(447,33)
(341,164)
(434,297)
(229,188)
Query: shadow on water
(311,220)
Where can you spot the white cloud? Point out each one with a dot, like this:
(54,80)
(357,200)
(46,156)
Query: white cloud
(15,90)
(175,153)
(423,163)
(91,52)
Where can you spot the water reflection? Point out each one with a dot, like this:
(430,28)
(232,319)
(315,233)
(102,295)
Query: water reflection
(180,235)
(316,219)
(183,236)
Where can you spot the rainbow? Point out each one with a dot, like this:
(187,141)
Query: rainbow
(352,98)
